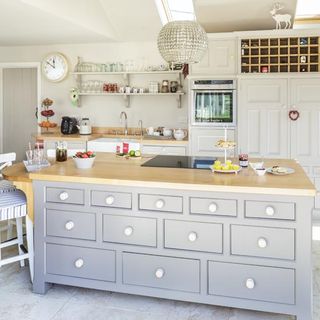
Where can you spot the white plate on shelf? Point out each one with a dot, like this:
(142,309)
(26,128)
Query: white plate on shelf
(225,171)
(288,171)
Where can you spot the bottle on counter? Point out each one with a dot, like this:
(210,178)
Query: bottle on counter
(61,151)
(243,160)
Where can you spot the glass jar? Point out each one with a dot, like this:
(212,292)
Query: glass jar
(243,160)
(61,151)
(173,86)
(165,86)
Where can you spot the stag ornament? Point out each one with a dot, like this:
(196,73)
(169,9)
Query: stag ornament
(280,18)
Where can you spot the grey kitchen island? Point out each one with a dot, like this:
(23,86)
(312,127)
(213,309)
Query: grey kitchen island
(241,240)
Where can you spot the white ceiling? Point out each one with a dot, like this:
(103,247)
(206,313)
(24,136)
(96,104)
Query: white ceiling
(32,22)
(239,15)
(41,22)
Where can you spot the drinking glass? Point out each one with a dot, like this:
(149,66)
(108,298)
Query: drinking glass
(38,155)
(29,154)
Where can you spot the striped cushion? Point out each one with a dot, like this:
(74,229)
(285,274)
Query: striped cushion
(6,186)
(12,205)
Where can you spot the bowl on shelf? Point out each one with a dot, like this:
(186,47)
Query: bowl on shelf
(84,160)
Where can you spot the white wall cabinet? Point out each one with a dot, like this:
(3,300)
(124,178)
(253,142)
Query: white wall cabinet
(263,118)
(203,141)
(220,58)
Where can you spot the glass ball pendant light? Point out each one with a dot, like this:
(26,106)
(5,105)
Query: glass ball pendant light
(182,41)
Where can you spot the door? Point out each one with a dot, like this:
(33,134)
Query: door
(220,58)
(19,106)
(263,123)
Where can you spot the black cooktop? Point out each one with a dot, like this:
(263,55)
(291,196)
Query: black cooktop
(163,161)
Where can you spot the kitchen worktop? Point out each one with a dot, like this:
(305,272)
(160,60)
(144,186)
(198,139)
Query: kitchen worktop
(54,136)
(109,169)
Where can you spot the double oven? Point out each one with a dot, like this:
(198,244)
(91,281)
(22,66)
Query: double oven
(213,103)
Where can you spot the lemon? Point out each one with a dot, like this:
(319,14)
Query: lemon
(137,153)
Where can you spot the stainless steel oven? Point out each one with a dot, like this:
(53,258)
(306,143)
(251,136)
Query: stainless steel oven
(213,103)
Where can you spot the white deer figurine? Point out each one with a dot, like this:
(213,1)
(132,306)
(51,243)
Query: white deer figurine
(286,18)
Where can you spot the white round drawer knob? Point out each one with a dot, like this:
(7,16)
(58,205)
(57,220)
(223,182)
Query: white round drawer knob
(213,207)
(192,236)
(270,211)
(79,263)
(159,273)
(64,196)
(69,225)
(159,204)
(250,284)
(262,243)
(128,231)
(110,200)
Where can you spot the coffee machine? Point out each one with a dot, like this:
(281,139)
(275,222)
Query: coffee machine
(69,125)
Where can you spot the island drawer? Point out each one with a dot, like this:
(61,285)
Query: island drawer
(65,195)
(130,230)
(264,242)
(270,210)
(161,272)
(251,282)
(69,224)
(213,206)
(196,236)
(111,199)
(160,203)
(80,262)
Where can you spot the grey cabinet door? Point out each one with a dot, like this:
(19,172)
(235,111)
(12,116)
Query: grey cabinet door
(196,236)
(252,282)
(270,210)
(160,202)
(130,230)
(80,262)
(69,224)
(111,199)
(65,195)
(161,272)
(212,206)
(263,242)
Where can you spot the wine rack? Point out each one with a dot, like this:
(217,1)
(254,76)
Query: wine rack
(294,54)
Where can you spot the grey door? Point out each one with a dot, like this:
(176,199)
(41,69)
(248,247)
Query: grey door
(19,106)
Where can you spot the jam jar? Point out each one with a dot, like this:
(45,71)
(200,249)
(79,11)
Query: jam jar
(61,151)
(243,160)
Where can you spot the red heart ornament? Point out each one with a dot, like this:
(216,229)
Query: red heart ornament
(294,115)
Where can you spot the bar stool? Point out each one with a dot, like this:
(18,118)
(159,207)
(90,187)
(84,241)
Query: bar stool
(13,206)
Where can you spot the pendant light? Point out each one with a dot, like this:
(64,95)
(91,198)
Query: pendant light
(182,41)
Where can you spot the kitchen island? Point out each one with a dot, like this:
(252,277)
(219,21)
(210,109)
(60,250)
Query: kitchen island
(233,240)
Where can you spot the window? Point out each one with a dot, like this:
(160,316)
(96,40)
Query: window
(170,10)
(307,9)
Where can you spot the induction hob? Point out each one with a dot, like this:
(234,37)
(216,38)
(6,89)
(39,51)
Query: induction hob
(186,162)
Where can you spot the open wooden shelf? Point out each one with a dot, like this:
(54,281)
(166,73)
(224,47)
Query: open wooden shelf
(295,54)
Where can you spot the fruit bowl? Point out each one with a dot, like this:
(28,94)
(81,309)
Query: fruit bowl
(84,160)
(227,167)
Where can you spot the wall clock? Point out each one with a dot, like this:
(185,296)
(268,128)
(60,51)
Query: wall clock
(55,67)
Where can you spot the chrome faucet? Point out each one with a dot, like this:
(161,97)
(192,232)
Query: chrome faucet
(125,122)
(141,127)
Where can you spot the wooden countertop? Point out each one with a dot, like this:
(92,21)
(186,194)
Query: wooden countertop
(109,169)
(56,136)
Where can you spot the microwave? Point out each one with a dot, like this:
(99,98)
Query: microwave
(213,103)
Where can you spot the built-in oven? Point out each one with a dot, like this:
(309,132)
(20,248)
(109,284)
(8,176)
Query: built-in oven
(213,103)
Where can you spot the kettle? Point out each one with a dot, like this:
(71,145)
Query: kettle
(84,126)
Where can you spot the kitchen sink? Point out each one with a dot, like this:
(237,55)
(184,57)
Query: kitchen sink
(110,144)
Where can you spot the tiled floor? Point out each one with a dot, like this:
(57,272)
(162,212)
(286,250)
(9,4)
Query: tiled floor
(69,303)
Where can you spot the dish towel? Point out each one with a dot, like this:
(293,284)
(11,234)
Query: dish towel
(6,186)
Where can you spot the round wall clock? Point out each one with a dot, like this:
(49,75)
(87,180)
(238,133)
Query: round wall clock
(55,67)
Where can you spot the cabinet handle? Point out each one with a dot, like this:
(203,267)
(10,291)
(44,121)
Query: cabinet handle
(270,211)
(262,243)
(192,236)
(109,200)
(159,204)
(69,225)
(79,263)
(63,195)
(250,284)
(159,273)
(128,231)
(213,207)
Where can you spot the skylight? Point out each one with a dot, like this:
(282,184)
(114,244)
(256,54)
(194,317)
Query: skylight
(308,9)
(171,10)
